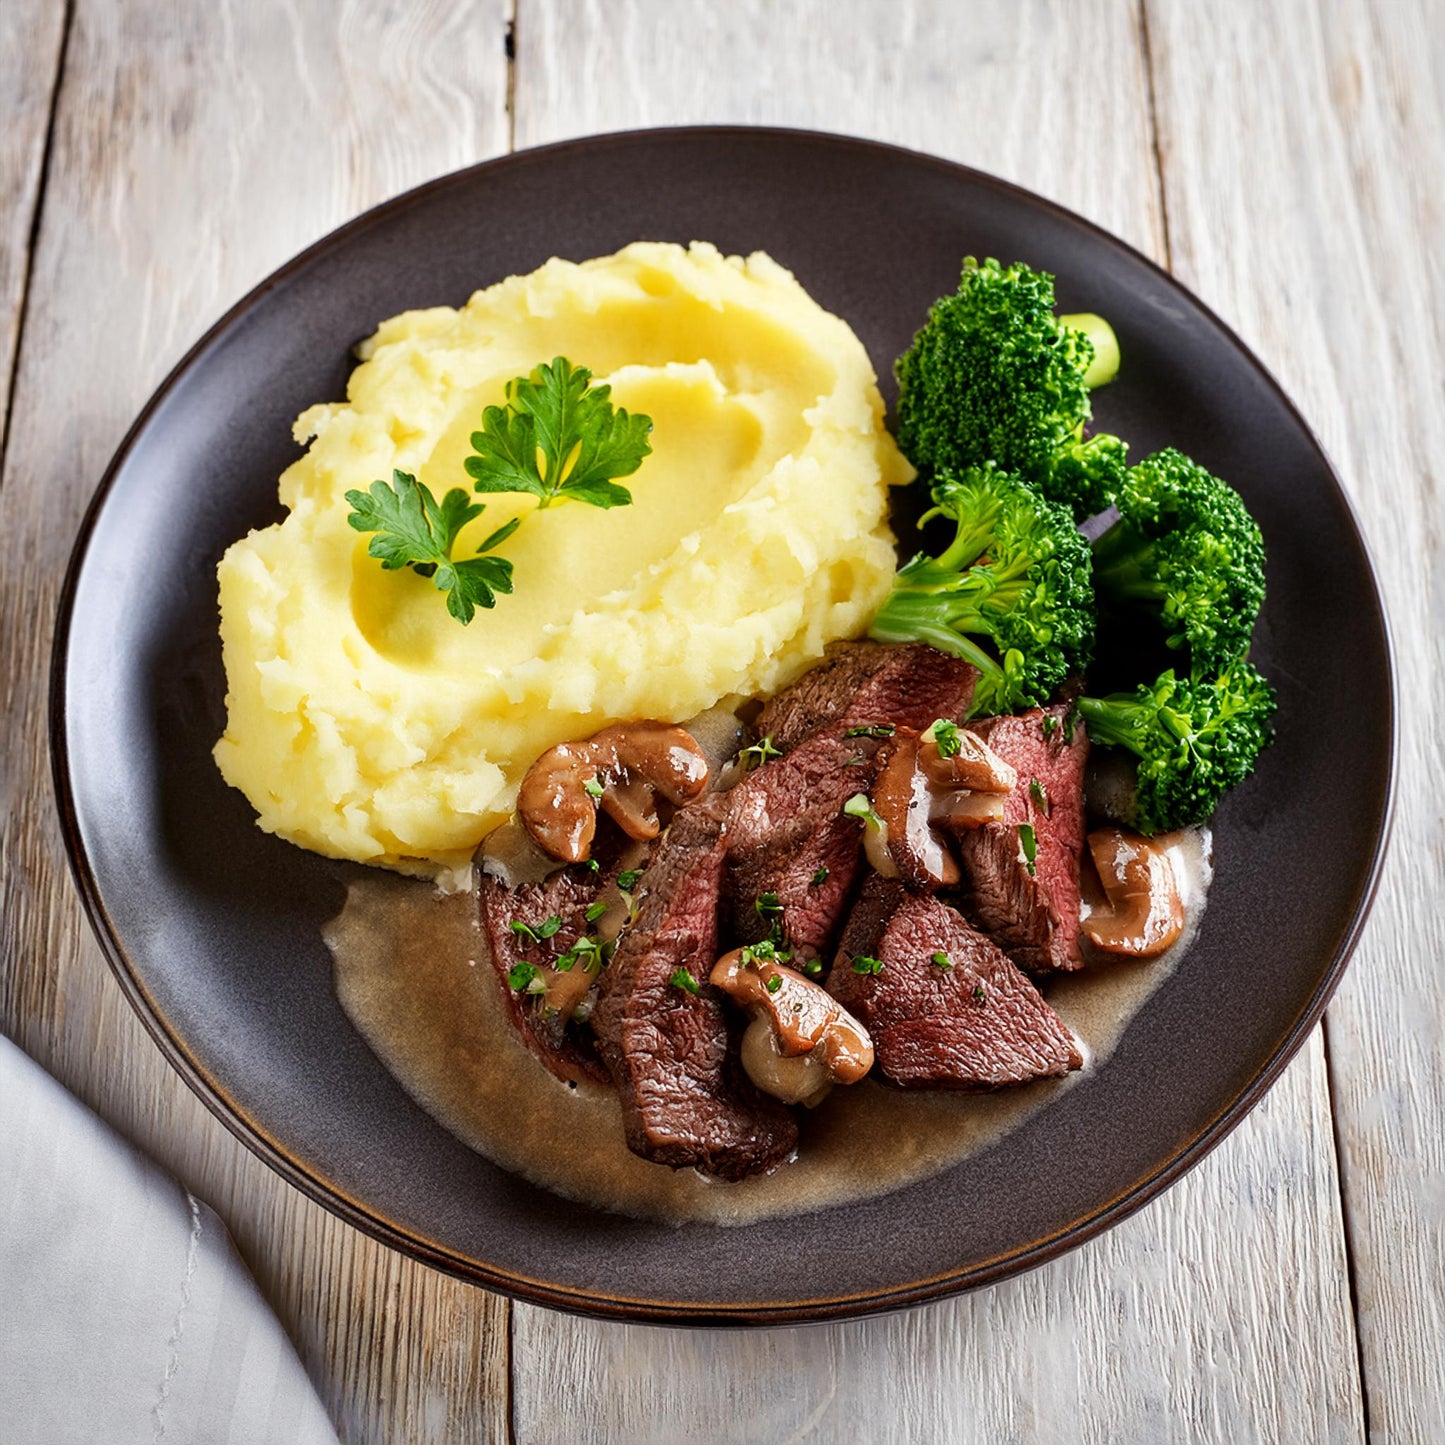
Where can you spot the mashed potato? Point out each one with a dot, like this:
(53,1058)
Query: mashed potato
(365,723)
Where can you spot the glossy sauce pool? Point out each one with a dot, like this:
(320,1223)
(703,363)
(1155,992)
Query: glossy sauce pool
(412,974)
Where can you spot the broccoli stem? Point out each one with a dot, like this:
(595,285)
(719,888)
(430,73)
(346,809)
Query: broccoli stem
(1125,722)
(928,617)
(1105,365)
(1120,721)
(1126,565)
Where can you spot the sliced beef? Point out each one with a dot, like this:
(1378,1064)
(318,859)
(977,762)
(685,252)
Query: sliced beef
(977,1024)
(567,1051)
(863,684)
(788,835)
(1033,914)
(685,1100)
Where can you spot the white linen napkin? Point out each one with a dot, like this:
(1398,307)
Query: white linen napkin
(126,1314)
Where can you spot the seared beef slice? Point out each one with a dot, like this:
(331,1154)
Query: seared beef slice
(685,1100)
(788,834)
(1033,916)
(567,894)
(976,1024)
(862,684)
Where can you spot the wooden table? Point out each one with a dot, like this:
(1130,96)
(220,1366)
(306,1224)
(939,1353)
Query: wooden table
(1284,159)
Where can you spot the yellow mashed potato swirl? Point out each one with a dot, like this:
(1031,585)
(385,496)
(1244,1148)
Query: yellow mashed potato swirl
(364,722)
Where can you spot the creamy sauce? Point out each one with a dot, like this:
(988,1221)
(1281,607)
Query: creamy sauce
(412,974)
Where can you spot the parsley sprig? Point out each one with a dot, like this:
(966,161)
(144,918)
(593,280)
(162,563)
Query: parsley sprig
(415,530)
(558,438)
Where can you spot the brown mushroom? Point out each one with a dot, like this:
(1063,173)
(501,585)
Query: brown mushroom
(920,790)
(903,798)
(970,763)
(1143,913)
(802,1040)
(622,770)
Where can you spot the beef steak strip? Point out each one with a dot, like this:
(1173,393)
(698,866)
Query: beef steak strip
(787,834)
(685,1100)
(863,684)
(977,1024)
(1033,916)
(567,894)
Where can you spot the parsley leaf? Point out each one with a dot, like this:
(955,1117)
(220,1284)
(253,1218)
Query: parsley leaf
(1029,842)
(559,437)
(413,529)
(759,753)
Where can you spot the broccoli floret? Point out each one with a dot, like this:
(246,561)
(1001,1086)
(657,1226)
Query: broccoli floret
(995,376)
(1186,549)
(1011,594)
(1195,738)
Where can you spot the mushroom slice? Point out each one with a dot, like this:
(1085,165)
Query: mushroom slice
(963,761)
(903,797)
(804,1021)
(622,769)
(959,811)
(1144,913)
(554,805)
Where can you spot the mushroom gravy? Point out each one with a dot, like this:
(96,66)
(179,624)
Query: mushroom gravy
(412,975)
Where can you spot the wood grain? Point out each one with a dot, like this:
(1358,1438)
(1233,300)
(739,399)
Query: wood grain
(1223,1311)
(1300,151)
(31,32)
(1325,248)
(195,148)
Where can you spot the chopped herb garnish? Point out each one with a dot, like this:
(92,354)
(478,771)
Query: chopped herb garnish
(864,964)
(759,753)
(945,737)
(978,993)
(859,807)
(1029,842)
(592,865)
(1049,726)
(629,880)
(683,979)
(773,982)
(545,929)
(820,877)
(593,787)
(812,968)
(768,905)
(872,730)
(942,960)
(1040,795)
(520,975)
(1071,719)
(767,951)
(584,950)
(412,529)
(595,911)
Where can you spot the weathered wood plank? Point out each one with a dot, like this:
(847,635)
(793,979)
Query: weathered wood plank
(1221,1312)
(31,33)
(195,148)
(1213,1315)
(1325,247)
(979,83)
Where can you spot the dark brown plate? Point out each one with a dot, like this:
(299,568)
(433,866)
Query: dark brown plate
(213,928)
